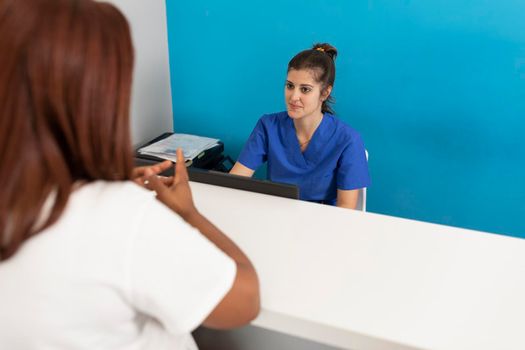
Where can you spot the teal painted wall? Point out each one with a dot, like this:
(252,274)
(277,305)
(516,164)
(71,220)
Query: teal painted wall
(436,88)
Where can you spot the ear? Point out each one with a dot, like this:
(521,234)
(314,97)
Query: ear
(326,92)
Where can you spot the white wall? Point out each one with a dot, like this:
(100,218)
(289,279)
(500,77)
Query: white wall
(151,112)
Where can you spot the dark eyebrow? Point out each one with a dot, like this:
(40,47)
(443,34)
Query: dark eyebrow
(302,85)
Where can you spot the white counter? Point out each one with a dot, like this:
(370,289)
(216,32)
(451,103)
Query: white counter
(365,281)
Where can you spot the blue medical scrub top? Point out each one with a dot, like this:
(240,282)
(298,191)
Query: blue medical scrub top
(334,159)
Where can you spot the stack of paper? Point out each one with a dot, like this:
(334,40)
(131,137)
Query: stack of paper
(191,145)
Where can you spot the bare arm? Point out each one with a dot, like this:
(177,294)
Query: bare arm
(242,302)
(347,198)
(239,169)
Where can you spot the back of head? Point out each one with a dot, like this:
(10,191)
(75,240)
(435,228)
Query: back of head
(65,81)
(320,59)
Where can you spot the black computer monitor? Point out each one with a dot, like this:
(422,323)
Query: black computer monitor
(244,183)
(234,181)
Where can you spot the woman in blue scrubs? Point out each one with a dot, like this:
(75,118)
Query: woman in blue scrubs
(307,145)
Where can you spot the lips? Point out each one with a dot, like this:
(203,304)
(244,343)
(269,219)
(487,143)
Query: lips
(292,106)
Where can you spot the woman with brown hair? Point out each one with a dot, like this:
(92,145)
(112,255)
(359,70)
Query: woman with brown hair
(89,259)
(307,145)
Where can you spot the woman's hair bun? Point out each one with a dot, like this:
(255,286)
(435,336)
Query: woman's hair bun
(326,48)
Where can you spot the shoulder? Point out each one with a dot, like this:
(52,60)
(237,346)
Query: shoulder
(274,118)
(123,209)
(113,191)
(119,199)
(343,132)
(270,123)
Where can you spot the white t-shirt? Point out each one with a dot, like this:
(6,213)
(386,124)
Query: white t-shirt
(119,270)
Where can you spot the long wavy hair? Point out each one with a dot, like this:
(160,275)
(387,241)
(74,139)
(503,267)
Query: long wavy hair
(65,80)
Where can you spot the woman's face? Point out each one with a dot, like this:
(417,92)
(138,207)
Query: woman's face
(303,94)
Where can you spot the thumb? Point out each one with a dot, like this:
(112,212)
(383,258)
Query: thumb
(181,173)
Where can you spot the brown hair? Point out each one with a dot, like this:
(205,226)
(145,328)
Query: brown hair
(65,80)
(321,60)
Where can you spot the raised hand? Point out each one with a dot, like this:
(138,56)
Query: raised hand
(176,195)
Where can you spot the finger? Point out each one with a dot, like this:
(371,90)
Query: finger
(141,179)
(168,181)
(181,173)
(160,167)
(138,172)
(156,169)
(148,172)
(155,184)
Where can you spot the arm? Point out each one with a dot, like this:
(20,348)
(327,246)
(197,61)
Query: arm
(239,169)
(347,198)
(352,173)
(254,152)
(241,304)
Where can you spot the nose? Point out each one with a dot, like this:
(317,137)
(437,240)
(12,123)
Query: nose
(295,95)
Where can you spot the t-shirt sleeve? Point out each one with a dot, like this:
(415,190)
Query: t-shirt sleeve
(255,150)
(353,166)
(176,275)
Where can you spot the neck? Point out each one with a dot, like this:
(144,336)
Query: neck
(305,127)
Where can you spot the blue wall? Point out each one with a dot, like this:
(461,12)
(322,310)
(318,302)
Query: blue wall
(436,88)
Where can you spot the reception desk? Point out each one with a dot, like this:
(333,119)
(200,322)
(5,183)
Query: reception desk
(356,280)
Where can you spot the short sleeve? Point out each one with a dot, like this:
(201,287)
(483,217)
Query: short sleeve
(255,150)
(353,166)
(176,275)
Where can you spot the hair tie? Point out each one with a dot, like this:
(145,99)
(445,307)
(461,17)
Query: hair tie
(320,49)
